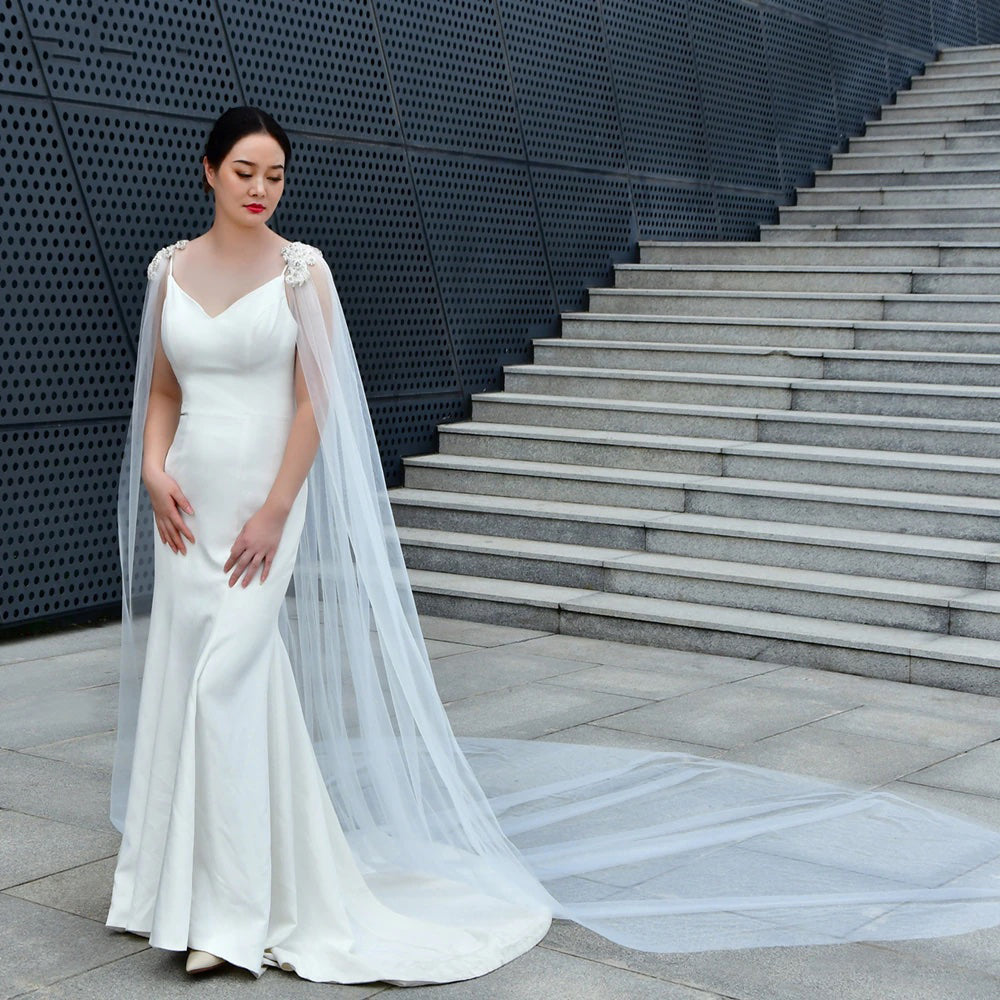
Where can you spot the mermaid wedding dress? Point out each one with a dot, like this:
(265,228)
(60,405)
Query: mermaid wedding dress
(286,783)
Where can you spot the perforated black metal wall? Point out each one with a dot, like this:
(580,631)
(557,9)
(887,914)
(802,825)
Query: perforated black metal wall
(468,167)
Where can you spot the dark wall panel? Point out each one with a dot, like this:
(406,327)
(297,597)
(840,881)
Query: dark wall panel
(468,167)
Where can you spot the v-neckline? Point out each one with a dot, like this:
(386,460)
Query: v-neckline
(232,305)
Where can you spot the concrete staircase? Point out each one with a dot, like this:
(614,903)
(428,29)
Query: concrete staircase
(787,449)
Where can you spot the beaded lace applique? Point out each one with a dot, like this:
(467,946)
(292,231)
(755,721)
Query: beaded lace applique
(299,257)
(165,254)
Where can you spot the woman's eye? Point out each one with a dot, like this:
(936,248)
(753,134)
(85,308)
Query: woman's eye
(274,178)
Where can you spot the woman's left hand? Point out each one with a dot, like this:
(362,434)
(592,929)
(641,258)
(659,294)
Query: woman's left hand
(255,546)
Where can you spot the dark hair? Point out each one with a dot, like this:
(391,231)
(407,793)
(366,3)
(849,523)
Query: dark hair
(233,125)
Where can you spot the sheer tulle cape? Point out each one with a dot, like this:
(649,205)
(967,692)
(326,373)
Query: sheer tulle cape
(661,852)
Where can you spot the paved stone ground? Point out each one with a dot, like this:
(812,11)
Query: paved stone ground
(57,848)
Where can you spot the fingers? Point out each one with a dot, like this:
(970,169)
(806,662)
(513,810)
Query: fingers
(246,563)
(183,502)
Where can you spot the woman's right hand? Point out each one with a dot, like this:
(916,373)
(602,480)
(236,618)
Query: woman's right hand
(168,501)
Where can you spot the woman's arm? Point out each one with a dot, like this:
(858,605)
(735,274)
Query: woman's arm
(162,415)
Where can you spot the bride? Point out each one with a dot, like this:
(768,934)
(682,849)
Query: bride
(287,785)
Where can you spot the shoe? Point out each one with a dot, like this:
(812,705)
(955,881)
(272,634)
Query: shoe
(202,961)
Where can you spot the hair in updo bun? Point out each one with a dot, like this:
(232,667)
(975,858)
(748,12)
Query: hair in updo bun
(233,125)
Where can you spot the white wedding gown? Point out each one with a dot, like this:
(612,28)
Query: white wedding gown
(287,785)
(231,843)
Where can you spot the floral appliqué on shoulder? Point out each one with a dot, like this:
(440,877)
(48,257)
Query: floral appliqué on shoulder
(299,257)
(165,254)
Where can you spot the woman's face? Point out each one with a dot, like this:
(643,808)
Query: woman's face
(252,174)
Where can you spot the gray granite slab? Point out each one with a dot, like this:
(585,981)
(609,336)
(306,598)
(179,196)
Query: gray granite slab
(977,771)
(837,756)
(57,715)
(822,972)
(473,633)
(980,808)
(54,789)
(31,847)
(554,975)
(910,726)
(532,710)
(441,647)
(84,890)
(71,639)
(654,658)
(81,668)
(599,736)
(634,682)
(466,674)
(43,946)
(725,716)
(96,750)
(158,974)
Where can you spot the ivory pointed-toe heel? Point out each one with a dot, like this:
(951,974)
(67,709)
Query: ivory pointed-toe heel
(202,961)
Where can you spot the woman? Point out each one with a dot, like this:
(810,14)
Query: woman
(286,782)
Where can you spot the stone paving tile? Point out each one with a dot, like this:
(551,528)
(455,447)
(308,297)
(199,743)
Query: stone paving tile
(555,975)
(42,946)
(725,716)
(532,710)
(474,633)
(636,682)
(72,639)
(57,715)
(980,808)
(466,674)
(977,771)
(82,668)
(31,846)
(79,796)
(848,690)
(822,972)
(157,974)
(439,647)
(96,750)
(84,890)
(837,756)
(599,736)
(623,654)
(910,726)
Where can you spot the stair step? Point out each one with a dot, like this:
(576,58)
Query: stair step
(809,277)
(910,399)
(872,335)
(911,196)
(799,362)
(965,565)
(913,253)
(960,663)
(809,305)
(822,594)
(939,140)
(931,94)
(776,426)
(964,475)
(787,233)
(901,175)
(895,125)
(604,506)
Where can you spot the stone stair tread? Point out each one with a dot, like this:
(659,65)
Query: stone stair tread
(806,452)
(756,412)
(823,631)
(813,534)
(700,245)
(772,381)
(910,189)
(791,321)
(945,357)
(813,268)
(882,638)
(774,488)
(726,293)
(504,591)
(761,574)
